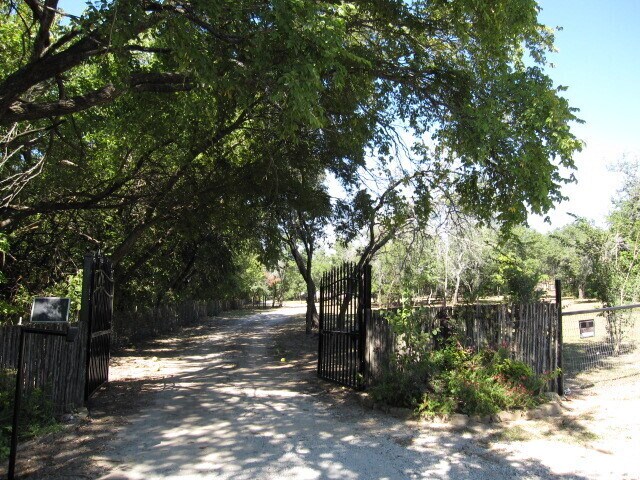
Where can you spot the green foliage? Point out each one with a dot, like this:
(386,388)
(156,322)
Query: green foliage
(407,264)
(579,255)
(178,181)
(406,325)
(625,232)
(293,285)
(521,265)
(519,277)
(459,264)
(455,379)
(619,324)
(481,383)
(36,414)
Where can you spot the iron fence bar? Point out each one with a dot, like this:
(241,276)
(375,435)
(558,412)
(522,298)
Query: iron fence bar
(329,337)
(340,360)
(353,346)
(345,336)
(342,324)
(332,347)
(365,312)
(559,350)
(336,359)
(320,322)
(355,325)
(339,371)
(352,342)
(605,309)
(87,308)
(327,321)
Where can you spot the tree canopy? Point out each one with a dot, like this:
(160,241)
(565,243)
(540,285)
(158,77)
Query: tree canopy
(180,136)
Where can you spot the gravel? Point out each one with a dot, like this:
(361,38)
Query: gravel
(238,398)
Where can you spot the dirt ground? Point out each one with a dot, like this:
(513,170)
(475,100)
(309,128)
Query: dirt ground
(238,398)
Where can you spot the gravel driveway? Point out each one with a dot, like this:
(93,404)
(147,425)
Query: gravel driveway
(238,399)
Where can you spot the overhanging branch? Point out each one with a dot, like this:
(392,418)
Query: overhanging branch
(144,82)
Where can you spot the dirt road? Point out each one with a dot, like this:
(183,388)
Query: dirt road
(238,399)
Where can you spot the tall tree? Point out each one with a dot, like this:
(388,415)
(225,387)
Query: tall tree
(161,111)
(625,226)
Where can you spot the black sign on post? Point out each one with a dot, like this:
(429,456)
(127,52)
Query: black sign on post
(50,309)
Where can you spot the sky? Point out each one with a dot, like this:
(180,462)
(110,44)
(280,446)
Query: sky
(598,58)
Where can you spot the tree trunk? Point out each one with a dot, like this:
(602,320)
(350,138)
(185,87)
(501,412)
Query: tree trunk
(312,318)
(581,291)
(304,267)
(454,298)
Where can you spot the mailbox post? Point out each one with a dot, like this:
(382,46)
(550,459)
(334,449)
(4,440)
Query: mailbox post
(70,333)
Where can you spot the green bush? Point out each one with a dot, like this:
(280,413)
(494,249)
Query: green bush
(452,378)
(36,412)
(456,379)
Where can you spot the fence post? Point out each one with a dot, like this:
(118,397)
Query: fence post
(87,281)
(366,324)
(86,315)
(559,309)
(323,283)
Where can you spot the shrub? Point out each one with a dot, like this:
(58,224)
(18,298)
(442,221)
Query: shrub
(456,379)
(36,412)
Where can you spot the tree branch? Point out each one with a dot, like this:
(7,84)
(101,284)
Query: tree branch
(22,111)
(143,82)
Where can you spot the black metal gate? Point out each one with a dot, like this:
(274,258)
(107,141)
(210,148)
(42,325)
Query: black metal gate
(345,307)
(97,310)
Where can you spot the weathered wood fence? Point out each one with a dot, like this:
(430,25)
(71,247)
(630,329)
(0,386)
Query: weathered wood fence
(529,332)
(146,323)
(58,367)
(49,363)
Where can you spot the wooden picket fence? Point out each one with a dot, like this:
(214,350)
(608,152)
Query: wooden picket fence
(50,363)
(529,332)
(146,323)
(58,367)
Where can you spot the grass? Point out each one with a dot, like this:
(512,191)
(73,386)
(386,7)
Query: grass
(512,434)
(577,432)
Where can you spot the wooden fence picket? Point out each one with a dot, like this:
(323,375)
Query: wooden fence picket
(59,367)
(529,331)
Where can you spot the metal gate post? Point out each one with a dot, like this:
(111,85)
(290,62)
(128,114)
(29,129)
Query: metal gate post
(86,313)
(97,306)
(366,321)
(321,322)
(559,309)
